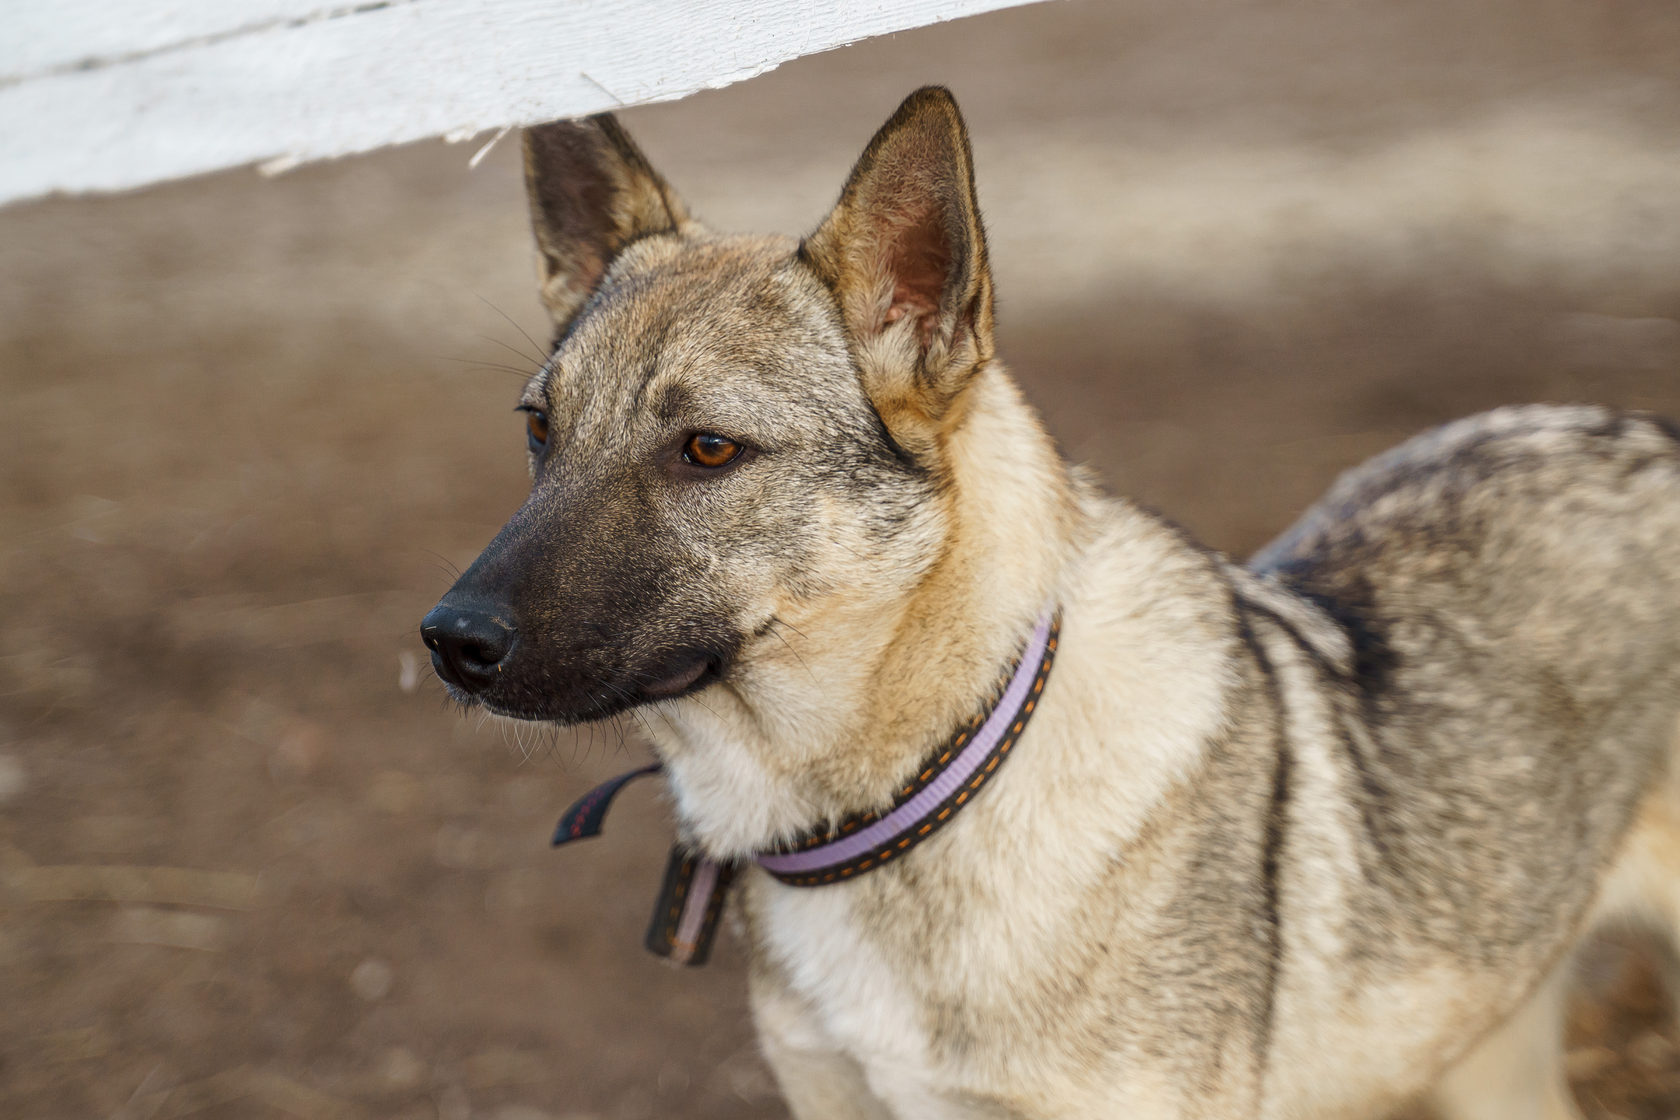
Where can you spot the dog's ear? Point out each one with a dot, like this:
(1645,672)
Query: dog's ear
(905,255)
(592,192)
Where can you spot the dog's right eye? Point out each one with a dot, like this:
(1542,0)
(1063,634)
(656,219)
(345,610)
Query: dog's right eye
(709,450)
(536,429)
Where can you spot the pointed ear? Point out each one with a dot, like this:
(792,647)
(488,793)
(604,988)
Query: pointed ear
(592,192)
(905,255)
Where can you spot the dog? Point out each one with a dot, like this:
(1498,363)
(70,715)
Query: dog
(1313,836)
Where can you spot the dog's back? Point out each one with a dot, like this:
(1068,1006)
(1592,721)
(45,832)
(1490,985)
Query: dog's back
(1511,586)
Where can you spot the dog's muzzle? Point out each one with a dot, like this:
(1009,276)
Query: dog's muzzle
(469,644)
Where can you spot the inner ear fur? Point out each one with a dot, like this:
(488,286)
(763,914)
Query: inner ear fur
(591,192)
(904,253)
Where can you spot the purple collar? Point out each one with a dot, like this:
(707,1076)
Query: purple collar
(685,920)
(951,777)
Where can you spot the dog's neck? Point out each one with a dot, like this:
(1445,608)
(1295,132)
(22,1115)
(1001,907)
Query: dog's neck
(827,717)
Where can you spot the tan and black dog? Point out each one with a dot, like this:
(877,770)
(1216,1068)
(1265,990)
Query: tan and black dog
(1309,837)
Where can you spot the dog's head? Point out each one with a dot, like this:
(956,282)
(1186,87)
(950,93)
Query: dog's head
(731,433)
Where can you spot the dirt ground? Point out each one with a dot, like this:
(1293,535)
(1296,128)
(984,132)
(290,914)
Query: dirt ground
(251,865)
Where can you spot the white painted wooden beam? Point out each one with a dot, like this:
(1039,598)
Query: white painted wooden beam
(99,95)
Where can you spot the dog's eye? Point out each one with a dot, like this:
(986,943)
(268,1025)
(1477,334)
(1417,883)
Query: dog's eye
(706,449)
(536,430)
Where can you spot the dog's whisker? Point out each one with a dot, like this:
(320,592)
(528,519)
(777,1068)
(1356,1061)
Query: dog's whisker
(641,720)
(541,355)
(655,709)
(631,701)
(482,365)
(448,565)
(780,621)
(704,705)
(516,352)
(774,621)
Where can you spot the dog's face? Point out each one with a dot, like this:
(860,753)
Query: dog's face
(731,434)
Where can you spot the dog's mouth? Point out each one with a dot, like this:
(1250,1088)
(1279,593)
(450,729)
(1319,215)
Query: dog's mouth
(686,678)
(587,702)
(581,670)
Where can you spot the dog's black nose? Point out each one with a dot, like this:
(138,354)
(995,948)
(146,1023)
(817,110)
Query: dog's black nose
(467,644)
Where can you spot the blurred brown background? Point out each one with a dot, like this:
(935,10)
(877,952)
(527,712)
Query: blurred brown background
(252,865)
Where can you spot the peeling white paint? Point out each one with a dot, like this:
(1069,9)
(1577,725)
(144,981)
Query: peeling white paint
(99,95)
